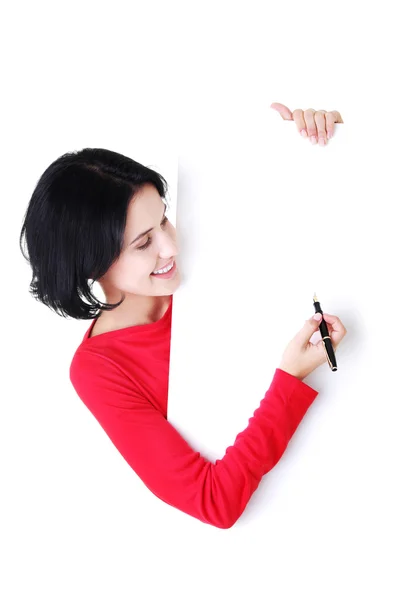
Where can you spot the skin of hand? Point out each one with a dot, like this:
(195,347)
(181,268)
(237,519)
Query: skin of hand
(311,124)
(301,356)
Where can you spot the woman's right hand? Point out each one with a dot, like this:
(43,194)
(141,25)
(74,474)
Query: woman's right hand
(301,356)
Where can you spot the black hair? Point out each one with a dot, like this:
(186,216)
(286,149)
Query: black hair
(74,226)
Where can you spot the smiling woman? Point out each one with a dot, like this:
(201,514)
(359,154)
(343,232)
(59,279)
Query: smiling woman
(150,245)
(86,220)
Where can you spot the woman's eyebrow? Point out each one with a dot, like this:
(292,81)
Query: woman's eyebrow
(148,231)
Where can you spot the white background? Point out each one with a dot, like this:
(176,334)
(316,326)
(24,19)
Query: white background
(185,88)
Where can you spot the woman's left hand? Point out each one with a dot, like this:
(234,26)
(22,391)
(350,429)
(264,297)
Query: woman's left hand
(311,123)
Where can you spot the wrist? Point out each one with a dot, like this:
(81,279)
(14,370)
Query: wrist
(291,372)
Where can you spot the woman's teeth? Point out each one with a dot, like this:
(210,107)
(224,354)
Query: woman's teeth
(164,270)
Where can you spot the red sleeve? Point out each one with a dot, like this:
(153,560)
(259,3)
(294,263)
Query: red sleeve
(218,493)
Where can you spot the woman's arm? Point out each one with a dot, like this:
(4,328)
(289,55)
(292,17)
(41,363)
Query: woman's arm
(218,493)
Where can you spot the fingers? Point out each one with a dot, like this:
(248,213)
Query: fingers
(298,118)
(317,124)
(337,117)
(303,336)
(282,110)
(319,118)
(330,124)
(333,320)
(311,126)
(337,330)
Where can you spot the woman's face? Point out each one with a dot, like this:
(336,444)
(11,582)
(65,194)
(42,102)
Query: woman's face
(132,272)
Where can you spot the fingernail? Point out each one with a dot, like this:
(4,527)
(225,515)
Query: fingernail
(304,133)
(329,135)
(317,316)
(313,139)
(321,141)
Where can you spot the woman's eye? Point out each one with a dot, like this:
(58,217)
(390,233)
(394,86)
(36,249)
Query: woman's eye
(147,244)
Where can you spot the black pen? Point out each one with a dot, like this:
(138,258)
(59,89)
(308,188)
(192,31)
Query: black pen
(326,338)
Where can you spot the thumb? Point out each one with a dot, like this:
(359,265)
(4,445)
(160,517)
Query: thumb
(282,110)
(309,327)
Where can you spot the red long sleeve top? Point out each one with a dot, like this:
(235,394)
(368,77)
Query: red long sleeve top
(122,378)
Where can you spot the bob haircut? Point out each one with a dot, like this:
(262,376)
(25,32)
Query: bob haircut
(74,226)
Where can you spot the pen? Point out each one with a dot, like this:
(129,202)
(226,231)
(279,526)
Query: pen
(326,339)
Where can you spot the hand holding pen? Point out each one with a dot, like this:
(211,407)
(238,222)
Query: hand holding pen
(301,356)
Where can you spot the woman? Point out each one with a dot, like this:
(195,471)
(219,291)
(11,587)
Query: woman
(97,215)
